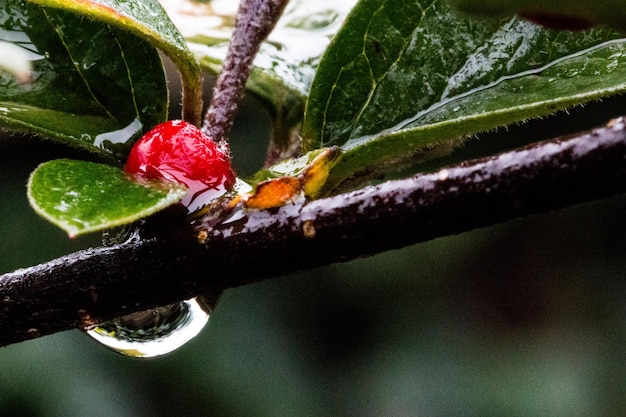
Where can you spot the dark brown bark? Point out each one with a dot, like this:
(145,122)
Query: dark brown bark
(164,262)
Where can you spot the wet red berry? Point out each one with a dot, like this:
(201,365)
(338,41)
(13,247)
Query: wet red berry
(179,151)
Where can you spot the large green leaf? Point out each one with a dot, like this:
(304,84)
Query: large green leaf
(82,197)
(148,20)
(92,86)
(404,76)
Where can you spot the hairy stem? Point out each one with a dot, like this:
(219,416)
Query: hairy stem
(177,260)
(255,21)
(192,101)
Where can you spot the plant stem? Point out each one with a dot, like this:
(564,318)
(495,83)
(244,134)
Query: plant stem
(192,100)
(255,21)
(166,264)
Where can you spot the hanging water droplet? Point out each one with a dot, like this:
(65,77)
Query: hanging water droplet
(155,332)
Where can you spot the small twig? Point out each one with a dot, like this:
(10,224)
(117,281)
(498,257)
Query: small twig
(255,20)
(168,264)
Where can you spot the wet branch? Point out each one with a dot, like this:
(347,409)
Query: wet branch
(175,260)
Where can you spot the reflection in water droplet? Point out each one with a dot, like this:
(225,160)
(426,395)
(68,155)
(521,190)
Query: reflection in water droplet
(155,332)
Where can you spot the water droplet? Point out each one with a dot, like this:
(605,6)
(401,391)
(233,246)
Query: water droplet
(155,332)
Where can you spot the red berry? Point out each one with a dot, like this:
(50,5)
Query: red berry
(179,151)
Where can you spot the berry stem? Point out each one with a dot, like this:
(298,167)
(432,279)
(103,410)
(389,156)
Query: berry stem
(192,101)
(255,20)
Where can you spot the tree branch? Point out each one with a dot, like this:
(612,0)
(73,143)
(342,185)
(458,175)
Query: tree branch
(168,259)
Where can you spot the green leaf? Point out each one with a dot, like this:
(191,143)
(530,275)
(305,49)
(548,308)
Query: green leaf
(148,20)
(401,77)
(92,86)
(82,197)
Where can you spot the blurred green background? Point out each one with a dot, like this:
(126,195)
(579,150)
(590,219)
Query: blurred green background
(527,318)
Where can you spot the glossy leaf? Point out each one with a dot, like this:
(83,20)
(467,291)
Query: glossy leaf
(82,197)
(148,20)
(404,76)
(92,86)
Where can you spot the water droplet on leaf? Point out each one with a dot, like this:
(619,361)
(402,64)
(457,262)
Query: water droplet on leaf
(155,332)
